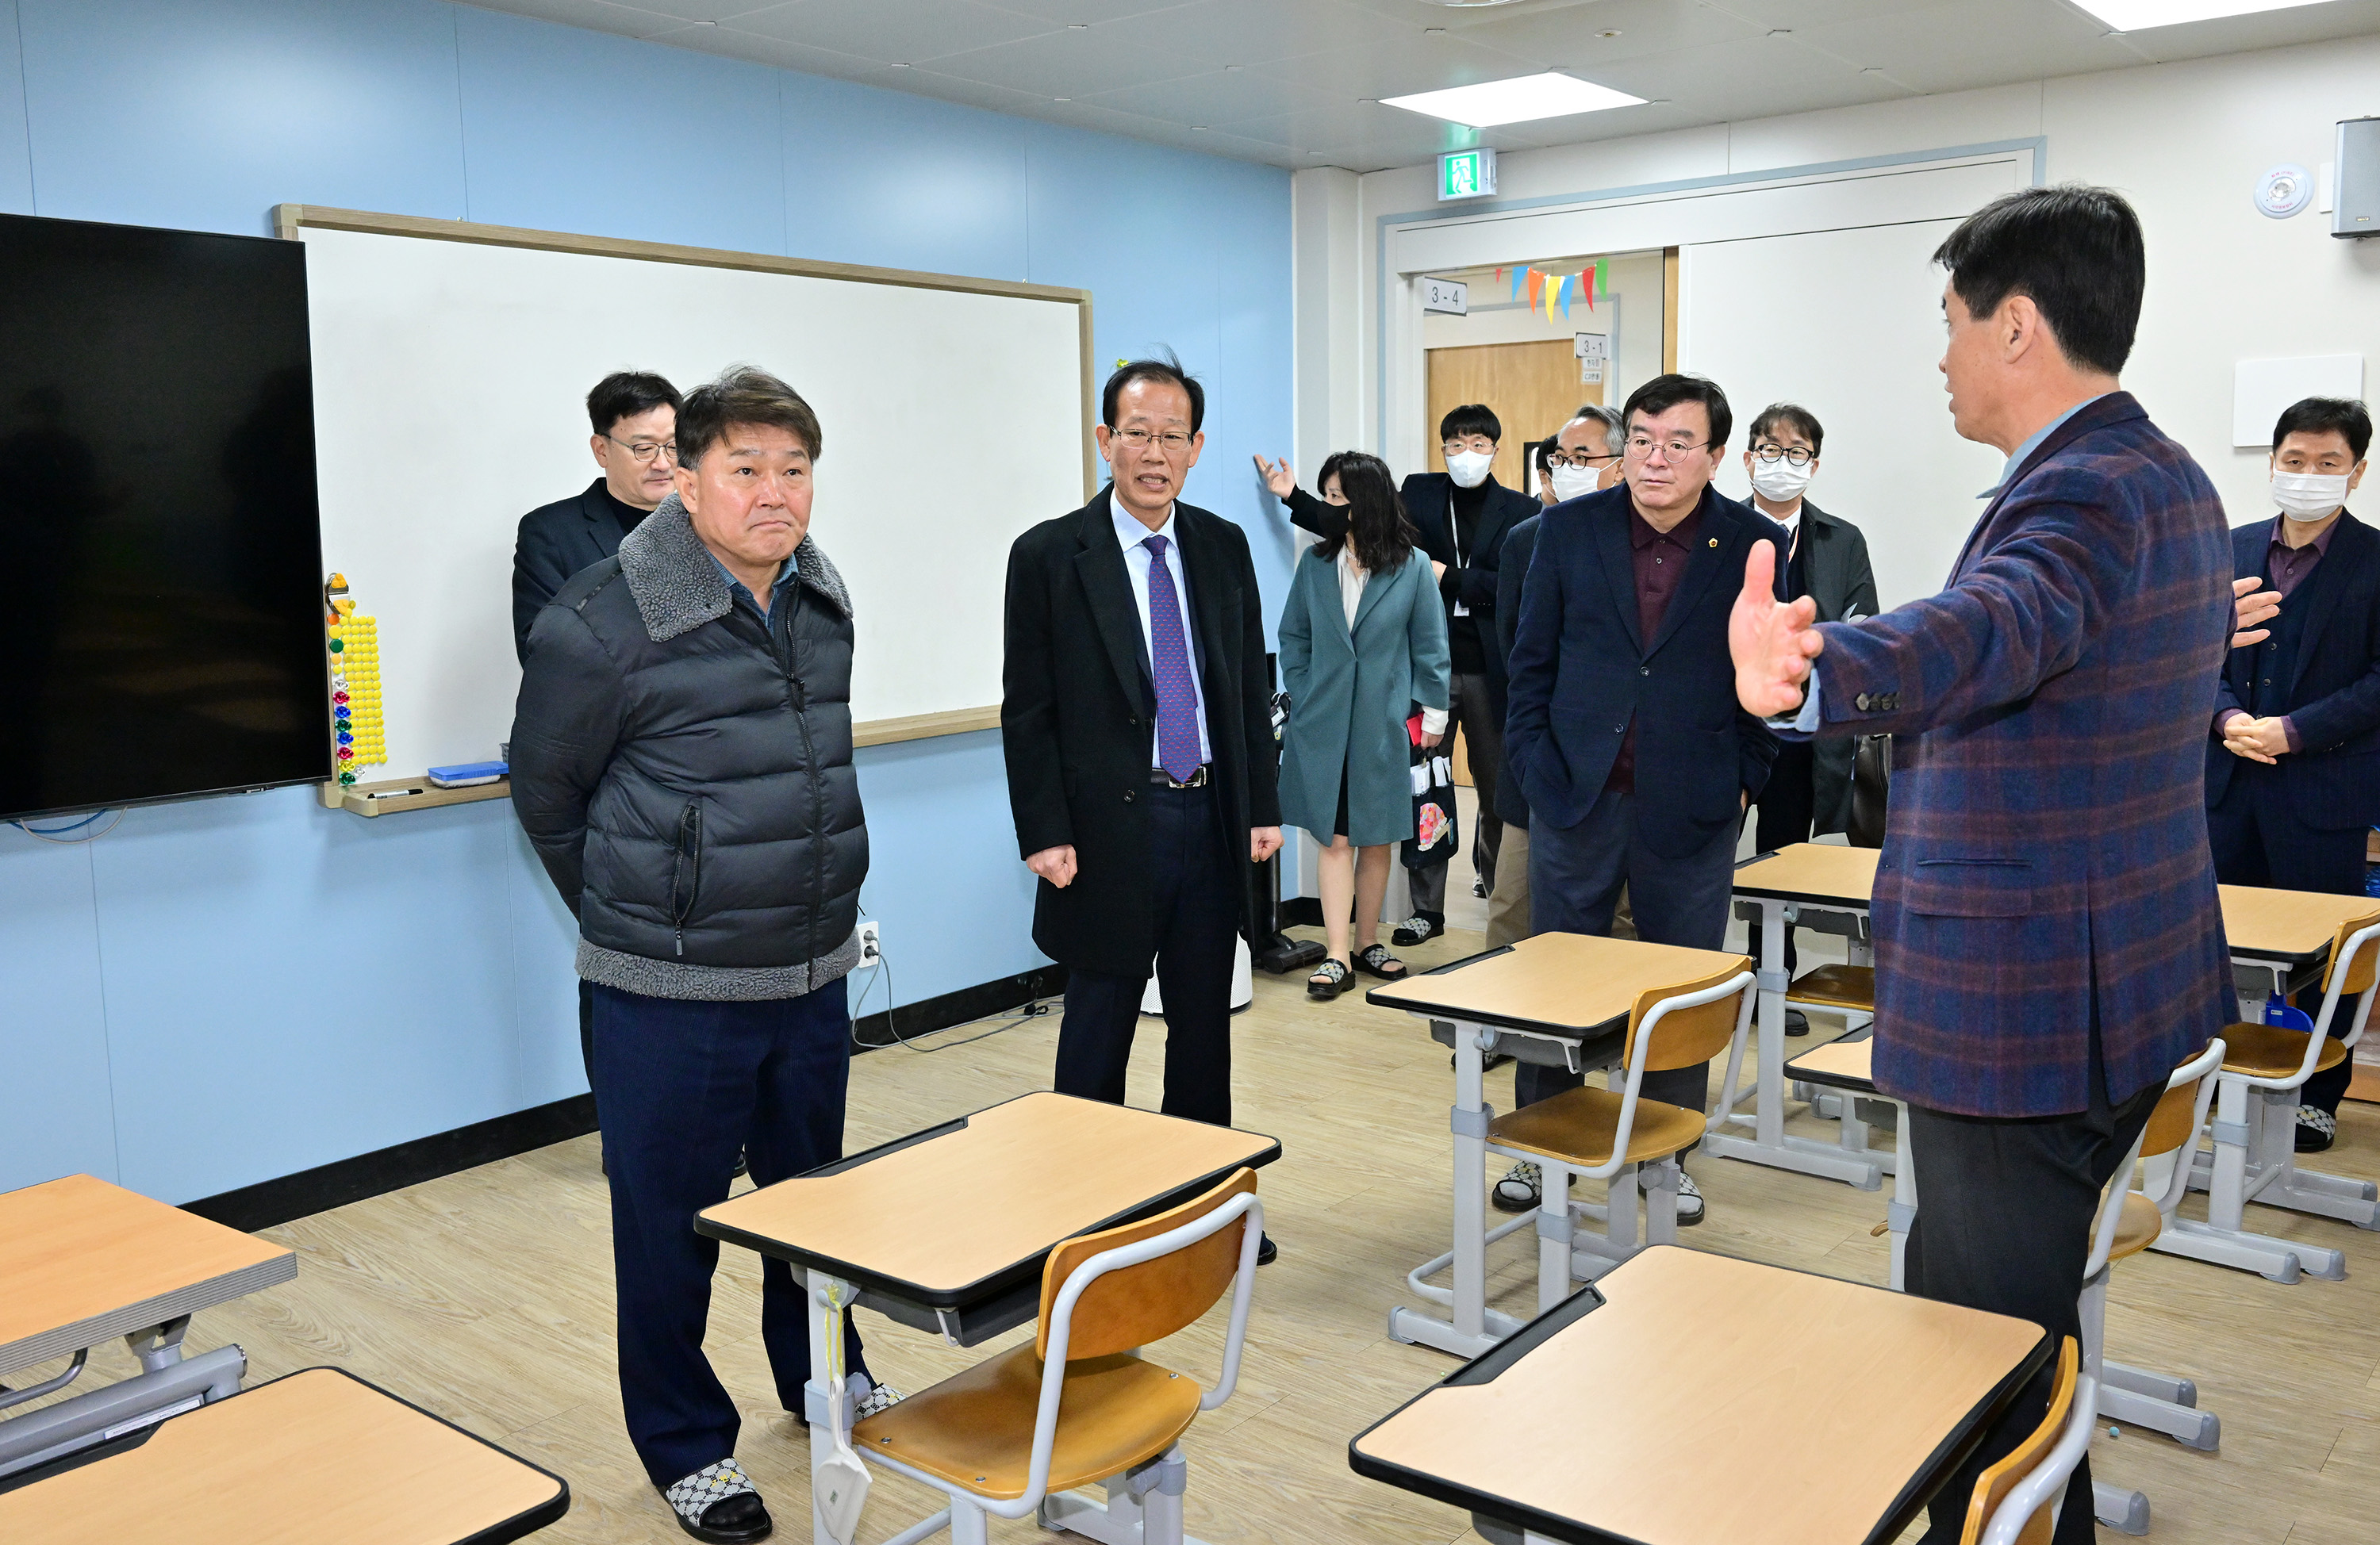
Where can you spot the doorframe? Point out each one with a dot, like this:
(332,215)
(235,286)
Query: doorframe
(1731,206)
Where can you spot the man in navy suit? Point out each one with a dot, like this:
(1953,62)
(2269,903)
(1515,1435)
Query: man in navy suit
(2293,759)
(634,415)
(1623,729)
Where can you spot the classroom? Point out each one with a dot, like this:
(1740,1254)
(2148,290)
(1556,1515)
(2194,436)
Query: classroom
(568,972)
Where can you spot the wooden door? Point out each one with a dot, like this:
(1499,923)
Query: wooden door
(1533,387)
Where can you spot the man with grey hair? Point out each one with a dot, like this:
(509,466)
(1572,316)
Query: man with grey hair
(681,758)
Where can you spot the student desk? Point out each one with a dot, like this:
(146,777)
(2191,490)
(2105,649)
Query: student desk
(1843,1065)
(82,1261)
(947,1229)
(1815,882)
(317,1456)
(1557,998)
(2280,943)
(1627,1415)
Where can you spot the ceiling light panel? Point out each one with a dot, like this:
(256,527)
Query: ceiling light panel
(1518,100)
(2139,16)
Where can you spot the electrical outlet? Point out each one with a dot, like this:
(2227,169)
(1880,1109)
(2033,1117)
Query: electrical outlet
(871,944)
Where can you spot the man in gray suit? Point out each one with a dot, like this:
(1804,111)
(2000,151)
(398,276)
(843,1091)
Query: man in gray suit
(1810,786)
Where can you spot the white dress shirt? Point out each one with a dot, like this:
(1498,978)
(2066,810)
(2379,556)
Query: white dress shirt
(1133,538)
(1352,578)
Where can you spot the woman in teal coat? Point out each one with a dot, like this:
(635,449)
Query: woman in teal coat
(1363,639)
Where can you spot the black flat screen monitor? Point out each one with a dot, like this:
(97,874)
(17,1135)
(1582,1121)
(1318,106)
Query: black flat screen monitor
(161,610)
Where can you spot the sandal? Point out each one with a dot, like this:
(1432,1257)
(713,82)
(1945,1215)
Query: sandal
(1330,979)
(1375,961)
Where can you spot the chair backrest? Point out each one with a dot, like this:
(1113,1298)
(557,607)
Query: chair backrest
(2357,966)
(2181,1113)
(1683,1037)
(1994,1485)
(1133,1306)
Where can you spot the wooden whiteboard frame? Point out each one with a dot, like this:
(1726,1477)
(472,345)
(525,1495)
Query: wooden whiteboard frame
(289,219)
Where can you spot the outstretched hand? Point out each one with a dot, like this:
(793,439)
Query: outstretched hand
(2251,608)
(1279,476)
(1773,641)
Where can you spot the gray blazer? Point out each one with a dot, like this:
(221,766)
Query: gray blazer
(1350,691)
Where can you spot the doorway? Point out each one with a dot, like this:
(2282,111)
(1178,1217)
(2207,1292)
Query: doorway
(1533,387)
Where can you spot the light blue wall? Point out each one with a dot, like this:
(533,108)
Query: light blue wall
(224,991)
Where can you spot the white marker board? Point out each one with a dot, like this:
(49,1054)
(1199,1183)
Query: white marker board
(451,367)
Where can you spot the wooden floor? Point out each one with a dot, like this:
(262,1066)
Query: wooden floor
(486,1296)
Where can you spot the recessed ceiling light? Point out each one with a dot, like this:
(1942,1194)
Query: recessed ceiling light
(1517,101)
(1433,31)
(1078,27)
(1197,129)
(2139,16)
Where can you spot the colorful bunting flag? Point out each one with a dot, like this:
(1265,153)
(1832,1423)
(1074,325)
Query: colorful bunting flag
(1536,283)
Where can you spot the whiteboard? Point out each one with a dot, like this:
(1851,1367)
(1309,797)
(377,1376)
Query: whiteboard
(1848,324)
(450,381)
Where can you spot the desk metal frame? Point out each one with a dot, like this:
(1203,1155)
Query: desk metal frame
(1770,1144)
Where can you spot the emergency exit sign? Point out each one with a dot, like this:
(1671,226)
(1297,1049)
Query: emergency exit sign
(1466,173)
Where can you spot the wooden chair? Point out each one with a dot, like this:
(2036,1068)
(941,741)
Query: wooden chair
(1014,1434)
(2015,1501)
(2128,1223)
(2254,1151)
(1612,1134)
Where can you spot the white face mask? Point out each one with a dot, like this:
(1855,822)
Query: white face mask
(1780,480)
(1468,468)
(2309,494)
(1573,482)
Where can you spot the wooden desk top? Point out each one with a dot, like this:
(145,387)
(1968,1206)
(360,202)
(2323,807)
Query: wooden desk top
(82,1261)
(1680,1412)
(1812,872)
(319,1455)
(1568,984)
(1840,1064)
(2293,926)
(958,1212)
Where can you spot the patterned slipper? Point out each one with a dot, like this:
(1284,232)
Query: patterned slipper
(1376,961)
(1330,979)
(719,1503)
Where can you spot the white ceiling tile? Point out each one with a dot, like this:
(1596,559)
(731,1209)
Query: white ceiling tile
(712,10)
(1570,39)
(1106,57)
(2340,18)
(893,31)
(770,50)
(1398,67)
(2034,37)
(1083,12)
(1757,78)
(1223,97)
(596,16)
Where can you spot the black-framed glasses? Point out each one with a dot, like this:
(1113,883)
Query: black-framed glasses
(1798,455)
(644,450)
(1641,446)
(1594,459)
(1173,443)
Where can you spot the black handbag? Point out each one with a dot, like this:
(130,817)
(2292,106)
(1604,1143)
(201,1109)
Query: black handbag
(1871,789)
(1435,839)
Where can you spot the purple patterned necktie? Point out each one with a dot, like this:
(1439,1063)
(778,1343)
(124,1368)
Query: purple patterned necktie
(1169,654)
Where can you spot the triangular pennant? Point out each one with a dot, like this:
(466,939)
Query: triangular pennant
(1587,283)
(1569,282)
(1536,283)
(1552,289)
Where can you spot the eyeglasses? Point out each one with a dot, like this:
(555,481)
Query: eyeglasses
(1798,455)
(644,450)
(1581,458)
(1173,443)
(1641,446)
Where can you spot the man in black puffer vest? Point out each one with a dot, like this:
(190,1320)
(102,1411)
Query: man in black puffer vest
(681,758)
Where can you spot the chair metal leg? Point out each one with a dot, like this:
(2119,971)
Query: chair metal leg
(968,1524)
(2224,1238)
(1143,1507)
(1661,1201)
(2125,1512)
(1555,1231)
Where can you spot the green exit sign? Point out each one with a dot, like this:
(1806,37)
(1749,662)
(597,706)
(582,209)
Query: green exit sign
(1466,173)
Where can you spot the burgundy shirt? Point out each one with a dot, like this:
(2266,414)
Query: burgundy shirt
(2288,568)
(1659,559)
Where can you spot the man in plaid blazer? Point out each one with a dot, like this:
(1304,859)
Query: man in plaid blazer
(2048,942)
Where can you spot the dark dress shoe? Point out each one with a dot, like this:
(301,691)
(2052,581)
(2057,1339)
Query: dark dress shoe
(734,1520)
(1796,1022)
(1267,1251)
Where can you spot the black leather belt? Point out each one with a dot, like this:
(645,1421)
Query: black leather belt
(1163,779)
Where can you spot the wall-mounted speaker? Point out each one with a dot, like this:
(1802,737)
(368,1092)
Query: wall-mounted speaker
(2355,207)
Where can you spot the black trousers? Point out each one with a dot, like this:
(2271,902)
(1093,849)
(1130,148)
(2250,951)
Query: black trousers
(2004,1211)
(587,1031)
(1195,884)
(2260,839)
(1483,745)
(1575,875)
(682,1086)
(1786,807)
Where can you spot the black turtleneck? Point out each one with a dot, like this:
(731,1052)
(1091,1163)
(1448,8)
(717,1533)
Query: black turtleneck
(1462,640)
(627,514)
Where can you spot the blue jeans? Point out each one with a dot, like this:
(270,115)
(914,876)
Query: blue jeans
(682,1086)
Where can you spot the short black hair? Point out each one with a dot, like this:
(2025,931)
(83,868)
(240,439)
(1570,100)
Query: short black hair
(1663,393)
(743,396)
(1168,370)
(2316,415)
(1791,416)
(2075,250)
(625,394)
(1471,418)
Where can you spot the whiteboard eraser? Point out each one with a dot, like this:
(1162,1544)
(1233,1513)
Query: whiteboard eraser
(462,775)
